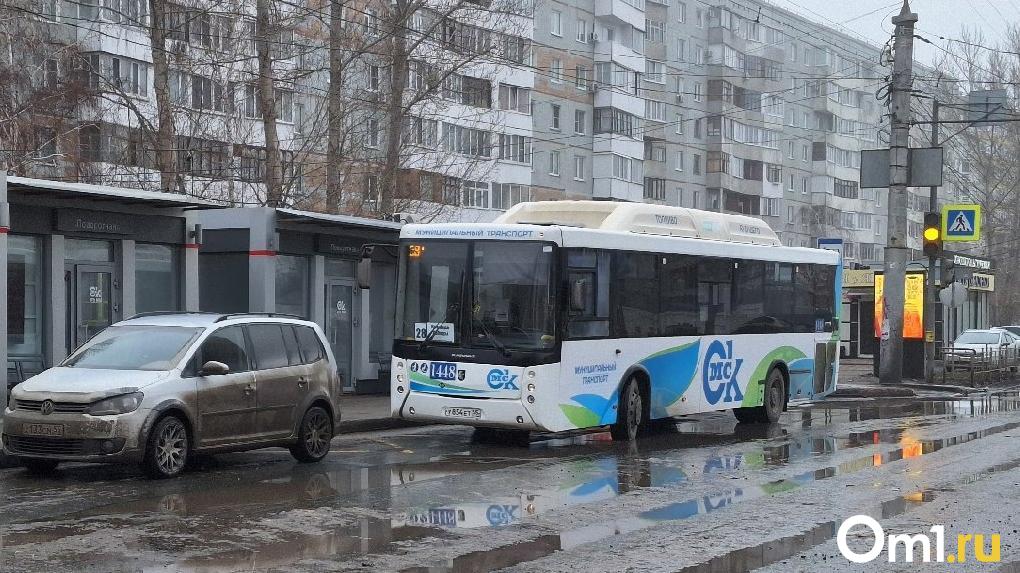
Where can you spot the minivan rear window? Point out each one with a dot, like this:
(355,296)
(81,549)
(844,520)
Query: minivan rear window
(311,346)
(268,346)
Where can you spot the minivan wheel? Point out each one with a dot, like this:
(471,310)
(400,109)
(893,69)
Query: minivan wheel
(167,450)
(314,436)
(39,466)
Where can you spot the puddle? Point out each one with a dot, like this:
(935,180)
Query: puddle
(773,550)
(604,471)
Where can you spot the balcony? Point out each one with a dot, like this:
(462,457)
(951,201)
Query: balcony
(631,12)
(608,96)
(606,51)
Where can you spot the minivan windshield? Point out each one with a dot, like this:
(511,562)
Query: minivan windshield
(978,337)
(134,348)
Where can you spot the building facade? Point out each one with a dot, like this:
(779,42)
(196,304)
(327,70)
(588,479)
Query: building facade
(728,105)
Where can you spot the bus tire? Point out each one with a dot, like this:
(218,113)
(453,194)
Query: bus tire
(772,402)
(630,414)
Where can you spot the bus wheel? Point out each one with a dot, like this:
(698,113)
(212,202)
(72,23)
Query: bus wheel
(772,402)
(630,413)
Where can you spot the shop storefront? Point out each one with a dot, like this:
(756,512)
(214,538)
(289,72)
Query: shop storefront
(976,310)
(80,257)
(336,270)
(857,328)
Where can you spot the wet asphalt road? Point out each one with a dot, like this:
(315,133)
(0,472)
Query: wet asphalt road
(702,494)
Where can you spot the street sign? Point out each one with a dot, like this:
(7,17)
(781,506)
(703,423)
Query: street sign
(831,244)
(988,107)
(961,222)
(925,168)
(953,295)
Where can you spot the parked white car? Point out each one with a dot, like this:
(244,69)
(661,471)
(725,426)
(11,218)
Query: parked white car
(982,345)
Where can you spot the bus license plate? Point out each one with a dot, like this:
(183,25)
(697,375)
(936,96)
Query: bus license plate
(45,430)
(472,413)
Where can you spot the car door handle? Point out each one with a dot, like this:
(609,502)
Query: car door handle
(249,388)
(301,381)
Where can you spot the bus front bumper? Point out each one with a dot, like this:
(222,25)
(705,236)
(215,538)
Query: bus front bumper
(489,413)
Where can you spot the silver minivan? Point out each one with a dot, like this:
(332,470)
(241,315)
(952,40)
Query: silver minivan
(157,388)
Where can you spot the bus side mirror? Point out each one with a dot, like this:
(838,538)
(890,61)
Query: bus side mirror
(364,273)
(578,295)
(828,326)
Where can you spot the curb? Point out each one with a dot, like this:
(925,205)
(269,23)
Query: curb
(872,392)
(376,425)
(965,390)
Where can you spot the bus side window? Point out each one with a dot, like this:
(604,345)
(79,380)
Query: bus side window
(587,302)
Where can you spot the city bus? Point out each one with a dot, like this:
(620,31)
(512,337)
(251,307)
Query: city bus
(566,315)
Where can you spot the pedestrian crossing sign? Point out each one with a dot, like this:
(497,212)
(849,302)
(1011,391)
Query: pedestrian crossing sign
(961,222)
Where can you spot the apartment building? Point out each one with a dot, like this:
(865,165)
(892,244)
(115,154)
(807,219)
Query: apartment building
(727,105)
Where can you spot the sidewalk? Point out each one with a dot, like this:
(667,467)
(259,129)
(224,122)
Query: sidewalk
(857,380)
(367,413)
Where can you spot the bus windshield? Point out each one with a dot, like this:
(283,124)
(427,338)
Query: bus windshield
(478,293)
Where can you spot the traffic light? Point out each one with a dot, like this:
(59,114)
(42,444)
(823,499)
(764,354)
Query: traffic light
(932,234)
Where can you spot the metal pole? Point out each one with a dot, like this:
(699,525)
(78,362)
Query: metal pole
(897,253)
(932,294)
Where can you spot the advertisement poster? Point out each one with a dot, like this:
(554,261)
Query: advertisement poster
(913,307)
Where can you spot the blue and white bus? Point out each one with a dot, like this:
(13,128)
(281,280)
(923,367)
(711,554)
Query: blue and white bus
(564,315)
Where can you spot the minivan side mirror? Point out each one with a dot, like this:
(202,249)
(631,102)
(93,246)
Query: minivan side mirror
(214,368)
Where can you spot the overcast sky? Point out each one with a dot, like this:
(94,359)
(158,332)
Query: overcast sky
(871,18)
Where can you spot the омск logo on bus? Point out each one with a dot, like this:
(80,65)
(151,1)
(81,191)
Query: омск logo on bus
(501,379)
(719,373)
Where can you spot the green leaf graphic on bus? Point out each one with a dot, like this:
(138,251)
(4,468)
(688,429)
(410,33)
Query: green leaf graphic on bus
(785,354)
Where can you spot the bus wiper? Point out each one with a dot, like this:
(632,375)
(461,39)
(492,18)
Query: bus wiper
(492,338)
(435,329)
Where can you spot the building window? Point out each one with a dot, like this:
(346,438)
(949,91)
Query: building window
(374,78)
(681,12)
(657,153)
(25,296)
(554,163)
(515,148)
(679,160)
(474,194)
(655,189)
(770,207)
(578,168)
(372,188)
(556,71)
(655,72)
(373,133)
(506,195)
(156,272)
(515,98)
(696,168)
(556,28)
(582,31)
(655,110)
(581,77)
(623,168)
(555,123)
(580,122)
(292,285)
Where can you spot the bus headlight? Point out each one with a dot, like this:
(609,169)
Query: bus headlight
(531,387)
(400,378)
(400,364)
(531,373)
(531,399)
(400,389)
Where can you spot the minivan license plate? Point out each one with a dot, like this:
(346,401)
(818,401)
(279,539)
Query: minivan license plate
(47,430)
(473,413)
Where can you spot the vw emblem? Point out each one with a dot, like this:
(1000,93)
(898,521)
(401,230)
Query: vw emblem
(46,408)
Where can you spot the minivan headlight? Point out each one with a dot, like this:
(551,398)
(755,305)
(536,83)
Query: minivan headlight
(117,405)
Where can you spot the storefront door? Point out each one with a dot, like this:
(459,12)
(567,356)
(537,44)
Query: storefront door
(90,301)
(340,324)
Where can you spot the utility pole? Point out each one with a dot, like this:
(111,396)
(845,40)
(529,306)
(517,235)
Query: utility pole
(931,294)
(897,254)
